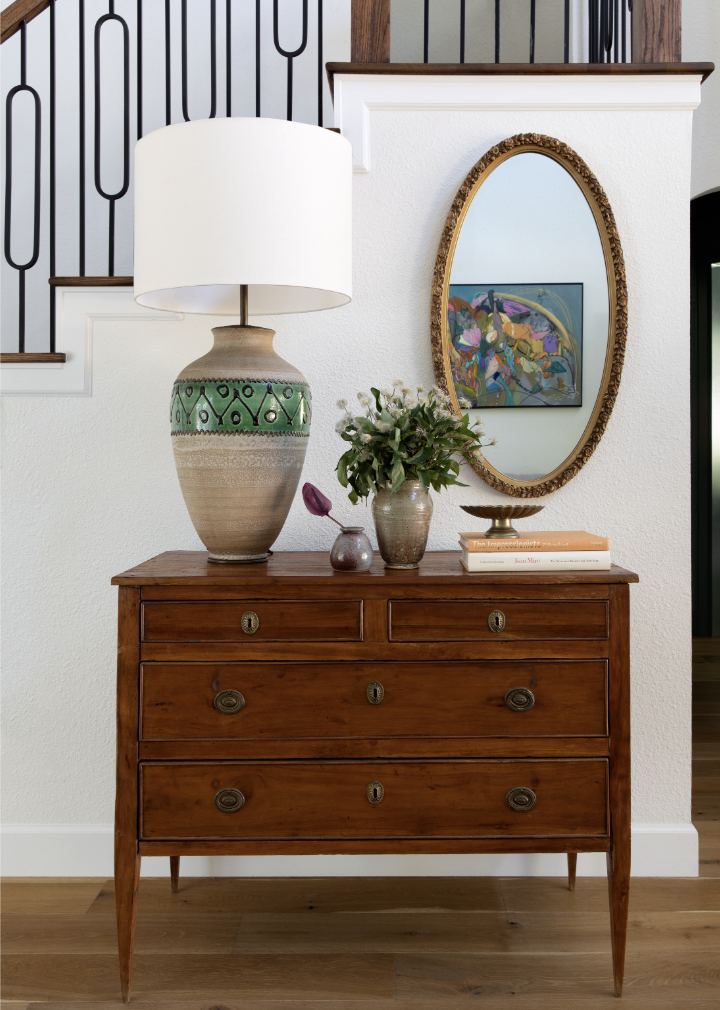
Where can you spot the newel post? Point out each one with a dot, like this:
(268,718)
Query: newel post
(370,41)
(657,31)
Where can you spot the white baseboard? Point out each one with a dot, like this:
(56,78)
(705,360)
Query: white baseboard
(86,850)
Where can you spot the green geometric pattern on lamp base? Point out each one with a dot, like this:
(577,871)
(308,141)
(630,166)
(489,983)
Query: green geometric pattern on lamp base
(240,406)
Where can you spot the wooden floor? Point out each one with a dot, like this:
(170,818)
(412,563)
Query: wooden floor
(384,943)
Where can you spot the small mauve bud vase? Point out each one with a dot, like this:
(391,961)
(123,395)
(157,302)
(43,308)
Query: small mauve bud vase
(352,551)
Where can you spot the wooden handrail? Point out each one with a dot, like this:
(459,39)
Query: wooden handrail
(21,10)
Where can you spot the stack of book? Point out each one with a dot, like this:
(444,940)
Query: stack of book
(547,551)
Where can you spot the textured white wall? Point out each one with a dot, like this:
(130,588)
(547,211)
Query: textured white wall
(90,486)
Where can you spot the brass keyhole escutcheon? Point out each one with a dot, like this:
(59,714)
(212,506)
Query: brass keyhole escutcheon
(249,622)
(375,793)
(496,620)
(229,800)
(521,799)
(228,702)
(519,699)
(375,692)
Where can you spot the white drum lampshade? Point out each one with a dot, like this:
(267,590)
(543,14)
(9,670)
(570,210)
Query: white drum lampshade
(236,217)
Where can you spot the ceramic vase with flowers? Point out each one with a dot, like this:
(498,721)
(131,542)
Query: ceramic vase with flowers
(405,442)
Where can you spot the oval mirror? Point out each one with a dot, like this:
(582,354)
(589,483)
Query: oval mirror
(529,312)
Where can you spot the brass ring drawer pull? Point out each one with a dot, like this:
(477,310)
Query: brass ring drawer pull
(519,699)
(249,622)
(228,702)
(375,692)
(375,793)
(496,620)
(229,800)
(521,799)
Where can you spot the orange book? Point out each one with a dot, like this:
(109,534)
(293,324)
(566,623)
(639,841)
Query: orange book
(544,540)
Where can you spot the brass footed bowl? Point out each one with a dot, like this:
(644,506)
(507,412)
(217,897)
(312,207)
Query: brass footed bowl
(501,516)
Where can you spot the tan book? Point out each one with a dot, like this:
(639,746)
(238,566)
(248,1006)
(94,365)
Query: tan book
(543,540)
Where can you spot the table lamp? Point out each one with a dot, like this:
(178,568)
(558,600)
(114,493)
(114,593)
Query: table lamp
(239,217)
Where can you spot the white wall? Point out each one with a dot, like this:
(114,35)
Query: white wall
(701,41)
(90,487)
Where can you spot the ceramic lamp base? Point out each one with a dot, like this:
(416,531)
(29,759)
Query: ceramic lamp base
(240,419)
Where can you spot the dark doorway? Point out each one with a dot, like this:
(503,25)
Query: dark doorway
(705,411)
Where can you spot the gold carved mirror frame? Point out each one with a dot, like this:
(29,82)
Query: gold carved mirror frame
(617,292)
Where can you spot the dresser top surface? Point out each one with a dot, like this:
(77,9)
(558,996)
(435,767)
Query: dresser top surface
(439,567)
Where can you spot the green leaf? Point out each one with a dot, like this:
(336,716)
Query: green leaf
(397,476)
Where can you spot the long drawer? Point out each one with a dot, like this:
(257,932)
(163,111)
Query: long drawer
(477,621)
(374,799)
(253,620)
(256,701)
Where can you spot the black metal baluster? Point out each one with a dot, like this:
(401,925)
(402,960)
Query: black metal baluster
(426,29)
(22,267)
(532,31)
(616,12)
(497,31)
(630,33)
(320,62)
(462,31)
(52,174)
(139,71)
(112,197)
(257,57)
(168,106)
(213,62)
(228,58)
(81,131)
(624,32)
(290,56)
(566,33)
(607,28)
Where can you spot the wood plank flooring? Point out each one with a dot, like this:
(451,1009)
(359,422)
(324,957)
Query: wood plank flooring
(383,943)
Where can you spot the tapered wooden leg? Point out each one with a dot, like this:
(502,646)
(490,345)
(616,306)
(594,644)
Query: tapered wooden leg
(174,873)
(618,867)
(127,875)
(572,869)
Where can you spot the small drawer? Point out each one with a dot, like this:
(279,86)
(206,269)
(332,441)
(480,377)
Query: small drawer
(293,701)
(374,799)
(253,621)
(479,621)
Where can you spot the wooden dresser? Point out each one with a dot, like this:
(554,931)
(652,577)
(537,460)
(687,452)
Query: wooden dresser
(288,708)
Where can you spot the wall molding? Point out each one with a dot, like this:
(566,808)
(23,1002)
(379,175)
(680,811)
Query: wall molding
(357,95)
(86,850)
(77,309)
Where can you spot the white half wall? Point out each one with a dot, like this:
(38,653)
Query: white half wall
(90,487)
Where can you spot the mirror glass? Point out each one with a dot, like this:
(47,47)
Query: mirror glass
(526,330)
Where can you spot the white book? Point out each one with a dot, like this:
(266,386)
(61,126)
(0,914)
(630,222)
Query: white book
(539,561)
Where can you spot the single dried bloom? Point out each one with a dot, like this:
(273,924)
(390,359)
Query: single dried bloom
(364,437)
(341,426)
(398,382)
(342,404)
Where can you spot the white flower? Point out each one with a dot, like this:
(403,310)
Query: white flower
(405,390)
(340,426)
(464,402)
(342,404)
(398,382)
(410,402)
(362,396)
(364,437)
(493,441)
(387,393)
(395,411)
(364,456)
(365,401)
(421,389)
(382,426)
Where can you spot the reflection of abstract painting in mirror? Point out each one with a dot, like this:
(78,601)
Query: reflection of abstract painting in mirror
(516,345)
